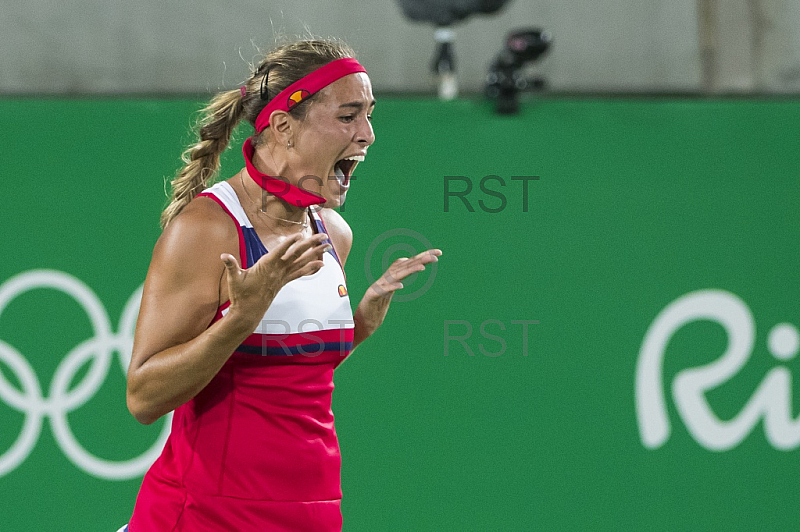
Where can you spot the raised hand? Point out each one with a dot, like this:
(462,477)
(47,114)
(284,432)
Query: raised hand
(252,290)
(373,307)
(390,281)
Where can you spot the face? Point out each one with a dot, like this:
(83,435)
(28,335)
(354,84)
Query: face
(336,130)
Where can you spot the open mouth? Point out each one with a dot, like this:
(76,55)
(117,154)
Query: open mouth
(344,168)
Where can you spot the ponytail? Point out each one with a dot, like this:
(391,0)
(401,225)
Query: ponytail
(201,160)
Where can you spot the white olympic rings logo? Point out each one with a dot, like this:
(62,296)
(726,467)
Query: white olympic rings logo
(60,400)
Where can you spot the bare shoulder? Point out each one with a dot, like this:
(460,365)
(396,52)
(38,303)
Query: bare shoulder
(186,255)
(202,224)
(182,288)
(339,231)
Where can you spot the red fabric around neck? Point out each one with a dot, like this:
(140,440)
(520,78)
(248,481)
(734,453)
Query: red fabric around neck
(277,187)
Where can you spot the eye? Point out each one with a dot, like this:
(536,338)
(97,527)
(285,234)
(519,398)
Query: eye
(348,118)
(369,117)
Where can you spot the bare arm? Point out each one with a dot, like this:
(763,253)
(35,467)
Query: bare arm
(175,353)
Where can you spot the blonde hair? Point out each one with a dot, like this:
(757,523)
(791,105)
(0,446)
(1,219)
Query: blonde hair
(279,68)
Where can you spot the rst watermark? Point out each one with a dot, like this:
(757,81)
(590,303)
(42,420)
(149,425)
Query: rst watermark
(309,337)
(466,328)
(457,188)
(282,187)
(460,187)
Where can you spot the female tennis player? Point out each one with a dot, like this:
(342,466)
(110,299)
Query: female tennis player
(245,312)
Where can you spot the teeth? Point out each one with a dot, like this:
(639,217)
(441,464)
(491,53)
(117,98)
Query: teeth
(359,158)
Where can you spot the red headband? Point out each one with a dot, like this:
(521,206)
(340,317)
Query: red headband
(305,87)
(285,101)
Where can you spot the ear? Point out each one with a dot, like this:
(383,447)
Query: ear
(281,124)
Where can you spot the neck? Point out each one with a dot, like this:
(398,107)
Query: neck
(277,213)
(281,187)
(270,162)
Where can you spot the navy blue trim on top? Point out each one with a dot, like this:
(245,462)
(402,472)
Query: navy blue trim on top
(253,246)
(288,350)
(321,229)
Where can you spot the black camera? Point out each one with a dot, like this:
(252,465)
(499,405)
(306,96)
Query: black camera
(444,14)
(506,78)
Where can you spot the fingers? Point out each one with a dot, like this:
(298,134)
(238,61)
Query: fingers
(315,252)
(291,248)
(431,255)
(291,258)
(404,267)
(297,249)
(309,269)
(295,245)
(231,264)
(399,271)
(311,260)
(287,242)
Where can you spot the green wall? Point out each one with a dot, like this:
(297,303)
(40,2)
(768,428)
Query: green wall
(637,204)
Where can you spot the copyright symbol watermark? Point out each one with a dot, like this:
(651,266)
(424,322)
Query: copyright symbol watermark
(392,245)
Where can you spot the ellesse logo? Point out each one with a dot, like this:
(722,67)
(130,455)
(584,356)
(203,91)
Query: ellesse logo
(342,290)
(297,97)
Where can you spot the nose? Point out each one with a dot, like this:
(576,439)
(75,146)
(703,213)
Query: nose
(365,135)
